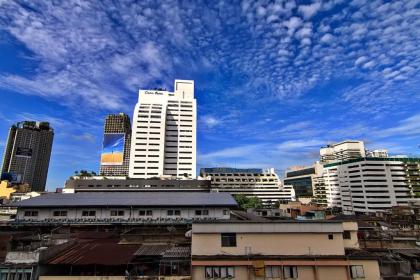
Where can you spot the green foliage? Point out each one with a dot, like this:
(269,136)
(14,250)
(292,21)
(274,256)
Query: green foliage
(247,202)
(85,173)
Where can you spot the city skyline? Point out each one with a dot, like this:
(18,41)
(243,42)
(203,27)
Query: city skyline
(273,82)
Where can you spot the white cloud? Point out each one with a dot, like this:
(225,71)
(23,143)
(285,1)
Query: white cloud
(406,127)
(327,38)
(210,121)
(360,60)
(300,145)
(309,11)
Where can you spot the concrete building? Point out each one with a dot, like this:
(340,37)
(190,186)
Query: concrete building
(368,185)
(382,153)
(342,151)
(302,179)
(116,128)
(325,183)
(117,184)
(262,183)
(28,151)
(164,133)
(296,250)
(124,208)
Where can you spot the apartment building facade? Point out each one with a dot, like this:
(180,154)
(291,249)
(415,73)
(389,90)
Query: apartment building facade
(28,151)
(117,126)
(164,133)
(262,183)
(369,185)
(297,250)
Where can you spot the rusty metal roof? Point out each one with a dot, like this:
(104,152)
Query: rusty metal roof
(152,250)
(100,252)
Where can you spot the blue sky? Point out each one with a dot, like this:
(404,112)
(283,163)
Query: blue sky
(274,80)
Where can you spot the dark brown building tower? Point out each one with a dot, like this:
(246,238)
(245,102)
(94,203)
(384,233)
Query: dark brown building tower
(115,156)
(28,152)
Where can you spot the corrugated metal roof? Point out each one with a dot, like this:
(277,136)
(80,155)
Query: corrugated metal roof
(152,250)
(164,250)
(127,199)
(178,252)
(100,252)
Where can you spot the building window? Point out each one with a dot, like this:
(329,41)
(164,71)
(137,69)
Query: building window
(290,272)
(60,213)
(31,213)
(145,213)
(173,212)
(115,213)
(220,272)
(330,236)
(225,212)
(88,213)
(201,212)
(356,272)
(228,239)
(346,234)
(272,271)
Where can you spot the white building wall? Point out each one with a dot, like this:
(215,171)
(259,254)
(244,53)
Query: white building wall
(105,213)
(266,185)
(370,186)
(164,133)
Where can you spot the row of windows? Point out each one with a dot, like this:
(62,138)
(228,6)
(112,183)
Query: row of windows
(117,213)
(284,272)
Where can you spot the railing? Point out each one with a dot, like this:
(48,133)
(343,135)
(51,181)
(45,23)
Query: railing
(178,220)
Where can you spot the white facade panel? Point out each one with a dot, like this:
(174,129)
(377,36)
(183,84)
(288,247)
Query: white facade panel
(164,132)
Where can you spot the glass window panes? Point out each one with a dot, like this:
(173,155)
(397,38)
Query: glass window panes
(90,213)
(272,271)
(209,272)
(219,272)
(228,239)
(357,272)
(216,271)
(230,271)
(290,272)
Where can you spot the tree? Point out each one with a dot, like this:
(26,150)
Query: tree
(247,202)
(85,173)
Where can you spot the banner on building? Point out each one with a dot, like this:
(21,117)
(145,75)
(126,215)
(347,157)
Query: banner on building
(113,149)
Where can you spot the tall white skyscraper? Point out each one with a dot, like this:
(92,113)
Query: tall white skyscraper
(164,133)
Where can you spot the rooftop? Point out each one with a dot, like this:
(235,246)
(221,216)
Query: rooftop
(230,170)
(127,199)
(407,159)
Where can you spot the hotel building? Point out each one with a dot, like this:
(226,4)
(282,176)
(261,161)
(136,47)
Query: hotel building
(163,142)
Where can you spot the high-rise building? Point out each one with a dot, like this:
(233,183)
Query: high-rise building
(342,151)
(369,185)
(302,179)
(115,158)
(28,151)
(163,142)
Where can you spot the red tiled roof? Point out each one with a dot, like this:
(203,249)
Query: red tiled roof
(100,252)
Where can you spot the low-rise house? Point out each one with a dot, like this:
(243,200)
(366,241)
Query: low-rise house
(279,250)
